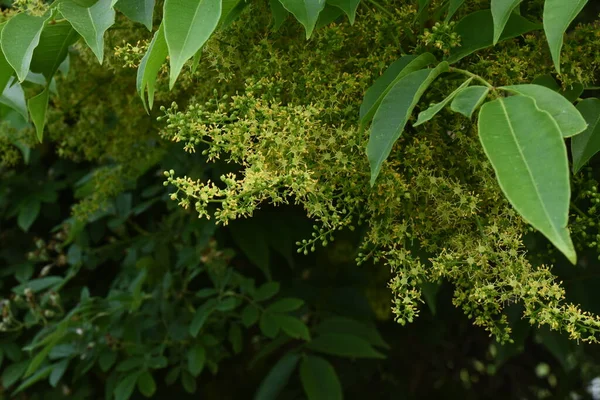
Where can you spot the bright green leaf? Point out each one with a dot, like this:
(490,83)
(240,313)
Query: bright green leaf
(140,11)
(343,345)
(347,6)
(279,12)
(275,381)
(306,12)
(569,120)
(292,326)
(19,38)
(6,71)
(196,359)
(586,144)
(426,115)
(319,379)
(453,7)
(527,151)
(380,88)
(558,15)
(150,66)
(469,99)
(53,48)
(393,113)
(501,11)
(90,22)
(146,384)
(476,31)
(14,97)
(37,106)
(188,25)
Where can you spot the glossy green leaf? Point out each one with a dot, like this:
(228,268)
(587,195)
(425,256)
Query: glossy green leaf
(277,378)
(306,12)
(476,31)
(558,15)
(393,113)
(569,120)
(380,88)
(319,380)
(14,97)
(53,48)
(188,24)
(37,106)
(266,291)
(501,11)
(269,325)
(146,384)
(453,7)
(126,386)
(141,11)
(469,99)
(150,66)
(343,345)
(196,359)
(426,115)
(293,327)
(347,6)
(90,22)
(586,144)
(6,71)
(286,305)
(19,38)
(528,154)
(279,12)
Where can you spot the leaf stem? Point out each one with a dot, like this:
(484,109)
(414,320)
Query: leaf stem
(472,75)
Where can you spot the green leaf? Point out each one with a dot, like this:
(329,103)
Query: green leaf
(558,15)
(196,359)
(343,345)
(140,11)
(53,48)
(125,388)
(393,113)
(343,325)
(286,305)
(188,381)
(90,22)
(19,38)
(14,97)
(202,314)
(469,99)
(476,31)
(277,378)
(235,338)
(13,372)
(586,144)
(569,120)
(279,12)
(37,106)
(293,327)
(501,11)
(426,115)
(28,213)
(328,16)
(107,360)
(38,376)
(6,71)
(250,315)
(58,370)
(266,291)
(150,66)
(146,384)
(347,6)
(527,151)
(319,379)
(453,7)
(548,81)
(188,25)
(306,12)
(269,325)
(398,70)
(573,92)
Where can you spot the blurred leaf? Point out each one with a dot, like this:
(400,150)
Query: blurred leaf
(266,291)
(277,378)
(343,345)
(146,384)
(196,359)
(293,327)
(285,305)
(250,315)
(319,379)
(269,325)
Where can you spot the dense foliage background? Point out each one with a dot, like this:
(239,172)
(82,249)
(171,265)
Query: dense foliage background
(299,279)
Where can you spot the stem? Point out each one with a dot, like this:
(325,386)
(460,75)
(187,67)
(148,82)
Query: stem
(472,75)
